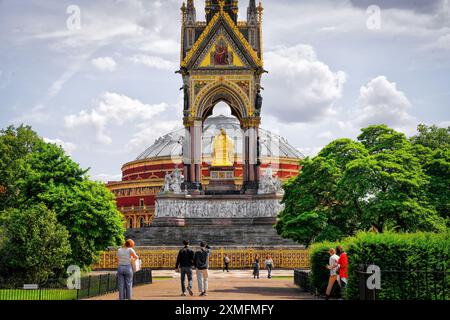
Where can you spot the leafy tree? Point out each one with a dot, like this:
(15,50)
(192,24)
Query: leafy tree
(33,245)
(379,138)
(15,144)
(432,137)
(87,209)
(376,183)
(34,172)
(312,211)
(432,147)
(438,169)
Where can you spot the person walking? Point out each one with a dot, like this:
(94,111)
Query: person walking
(256,267)
(184,264)
(269,266)
(343,267)
(201,258)
(125,255)
(332,266)
(226,263)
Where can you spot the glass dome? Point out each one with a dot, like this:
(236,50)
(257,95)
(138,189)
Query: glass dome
(271,145)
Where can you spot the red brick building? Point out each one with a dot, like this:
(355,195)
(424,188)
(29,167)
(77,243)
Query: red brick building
(143,178)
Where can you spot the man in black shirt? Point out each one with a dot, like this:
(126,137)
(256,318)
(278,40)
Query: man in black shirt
(201,258)
(185,262)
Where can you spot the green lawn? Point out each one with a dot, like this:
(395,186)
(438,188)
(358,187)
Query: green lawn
(50,294)
(162,278)
(282,277)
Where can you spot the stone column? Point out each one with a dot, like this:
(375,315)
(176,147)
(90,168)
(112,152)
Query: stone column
(197,151)
(187,161)
(251,160)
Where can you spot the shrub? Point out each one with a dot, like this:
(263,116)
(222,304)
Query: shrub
(319,275)
(413,266)
(33,247)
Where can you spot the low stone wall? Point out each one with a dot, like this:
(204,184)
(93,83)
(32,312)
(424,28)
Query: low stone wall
(284,257)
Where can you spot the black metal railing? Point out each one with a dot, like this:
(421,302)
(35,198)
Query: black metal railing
(56,289)
(406,285)
(303,280)
(394,284)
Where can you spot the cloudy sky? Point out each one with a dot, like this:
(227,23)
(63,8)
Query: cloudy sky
(105,88)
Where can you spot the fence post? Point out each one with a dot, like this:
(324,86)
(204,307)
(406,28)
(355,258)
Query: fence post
(364,292)
(107,285)
(89,286)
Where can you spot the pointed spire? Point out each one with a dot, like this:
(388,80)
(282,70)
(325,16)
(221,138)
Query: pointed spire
(191,16)
(252,14)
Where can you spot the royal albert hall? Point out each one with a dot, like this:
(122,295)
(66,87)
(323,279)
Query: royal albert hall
(143,178)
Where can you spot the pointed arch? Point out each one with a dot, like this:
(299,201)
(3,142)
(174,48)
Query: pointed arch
(222,92)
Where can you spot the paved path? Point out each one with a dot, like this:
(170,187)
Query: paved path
(235,285)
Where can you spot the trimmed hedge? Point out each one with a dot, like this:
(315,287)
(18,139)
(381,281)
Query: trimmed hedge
(413,266)
(319,258)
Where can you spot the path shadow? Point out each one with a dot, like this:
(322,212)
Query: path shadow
(283,293)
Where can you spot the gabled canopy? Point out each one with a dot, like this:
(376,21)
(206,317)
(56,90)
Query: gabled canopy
(221,21)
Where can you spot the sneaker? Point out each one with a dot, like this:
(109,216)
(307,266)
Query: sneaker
(202,294)
(190,291)
(183,294)
(205,294)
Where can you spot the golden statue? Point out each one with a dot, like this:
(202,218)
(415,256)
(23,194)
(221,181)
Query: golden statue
(222,150)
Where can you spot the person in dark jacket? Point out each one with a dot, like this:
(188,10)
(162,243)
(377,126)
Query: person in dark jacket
(185,262)
(201,258)
(256,267)
(226,263)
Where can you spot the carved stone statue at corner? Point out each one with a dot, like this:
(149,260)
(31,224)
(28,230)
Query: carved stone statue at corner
(269,184)
(173,182)
(258,101)
(185,89)
(167,179)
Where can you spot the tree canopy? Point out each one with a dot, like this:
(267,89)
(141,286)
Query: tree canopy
(382,181)
(41,173)
(33,245)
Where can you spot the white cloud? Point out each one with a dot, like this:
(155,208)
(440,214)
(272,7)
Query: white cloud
(154,62)
(311,151)
(443,42)
(69,147)
(104,63)
(147,135)
(105,177)
(302,88)
(380,102)
(113,109)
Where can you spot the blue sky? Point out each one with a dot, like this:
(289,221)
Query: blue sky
(107,90)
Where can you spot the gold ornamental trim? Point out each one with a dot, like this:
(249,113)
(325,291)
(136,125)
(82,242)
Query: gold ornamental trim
(241,257)
(207,31)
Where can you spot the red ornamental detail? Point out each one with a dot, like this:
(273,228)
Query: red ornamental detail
(221,56)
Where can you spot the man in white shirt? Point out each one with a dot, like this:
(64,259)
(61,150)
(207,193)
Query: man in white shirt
(333,267)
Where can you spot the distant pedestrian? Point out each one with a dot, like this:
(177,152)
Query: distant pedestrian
(269,266)
(184,264)
(343,267)
(125,254)
(256,267)
(201,258)
(226,263)
(332,266)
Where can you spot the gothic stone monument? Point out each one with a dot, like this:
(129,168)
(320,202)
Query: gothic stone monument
(221,61)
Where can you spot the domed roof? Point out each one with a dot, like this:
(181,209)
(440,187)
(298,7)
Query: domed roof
(271,145)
